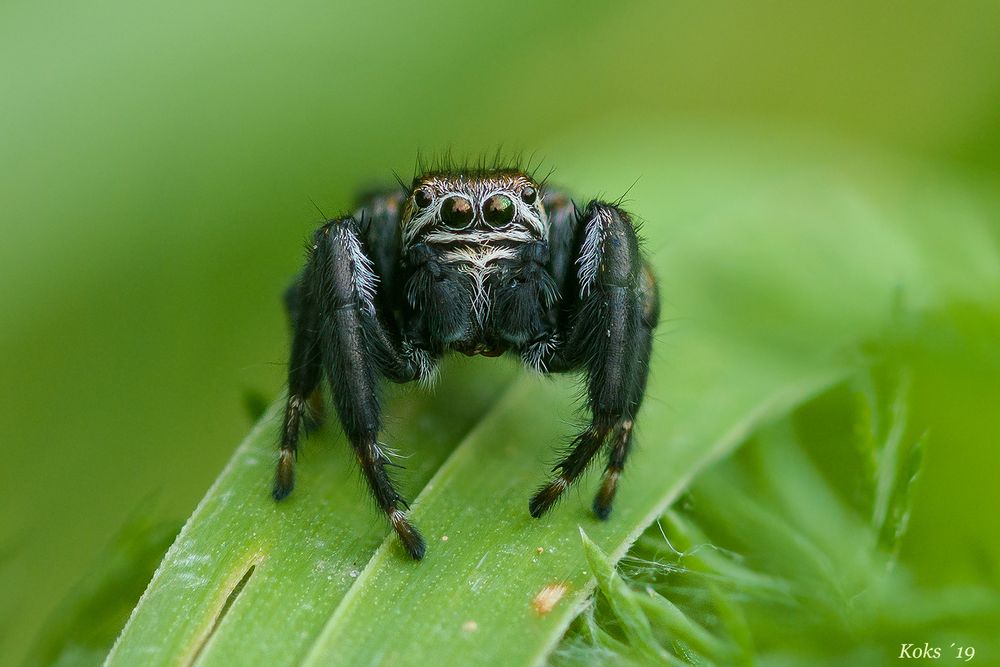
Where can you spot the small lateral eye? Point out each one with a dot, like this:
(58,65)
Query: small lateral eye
(498,210)
(423,197)
(529,194)
(456,212)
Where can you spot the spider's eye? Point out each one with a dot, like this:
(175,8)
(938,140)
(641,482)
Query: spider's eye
(498,210)
(423,197)
(529,195)
(456,212)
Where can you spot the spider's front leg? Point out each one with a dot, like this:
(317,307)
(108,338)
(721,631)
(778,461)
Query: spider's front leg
(337,331)
(610,335)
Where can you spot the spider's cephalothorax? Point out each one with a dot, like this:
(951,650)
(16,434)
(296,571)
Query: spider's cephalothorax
(480,262)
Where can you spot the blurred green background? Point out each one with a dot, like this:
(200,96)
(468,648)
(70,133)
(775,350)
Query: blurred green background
(159,166)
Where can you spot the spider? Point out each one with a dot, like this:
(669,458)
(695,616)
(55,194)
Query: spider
(480,261)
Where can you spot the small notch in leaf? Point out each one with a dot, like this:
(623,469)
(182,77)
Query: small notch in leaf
(226,606)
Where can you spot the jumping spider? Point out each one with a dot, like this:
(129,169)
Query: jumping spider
(480,261)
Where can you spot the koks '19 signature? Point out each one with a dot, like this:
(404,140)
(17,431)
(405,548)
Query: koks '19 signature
(927,652)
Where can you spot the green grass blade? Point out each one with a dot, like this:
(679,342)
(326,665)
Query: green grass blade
(295,560)
(482,593)
(624,604)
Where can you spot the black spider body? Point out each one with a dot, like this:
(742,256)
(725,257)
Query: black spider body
(480,262)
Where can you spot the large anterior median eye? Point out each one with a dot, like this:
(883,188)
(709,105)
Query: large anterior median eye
(456,212)
(498,210)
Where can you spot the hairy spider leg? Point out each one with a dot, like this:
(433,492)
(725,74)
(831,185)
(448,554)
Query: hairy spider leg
(304,370)
(621,443)
(608,326)
(338,294)
(314,414)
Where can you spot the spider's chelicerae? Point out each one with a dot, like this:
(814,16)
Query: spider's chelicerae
(480,261)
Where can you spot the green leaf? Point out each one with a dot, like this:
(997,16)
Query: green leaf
(317,577)
(624,604)
(244,561)
(490,571)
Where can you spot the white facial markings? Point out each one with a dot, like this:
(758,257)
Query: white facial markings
(530,218)
(479,257)
(479,262)
(509,234)
(537,223)
(421,220)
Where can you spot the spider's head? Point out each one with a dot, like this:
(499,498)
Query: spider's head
(451,206)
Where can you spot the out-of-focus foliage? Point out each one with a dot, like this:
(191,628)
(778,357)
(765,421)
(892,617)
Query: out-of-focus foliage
(158,165)
(774,557)
(86,623)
